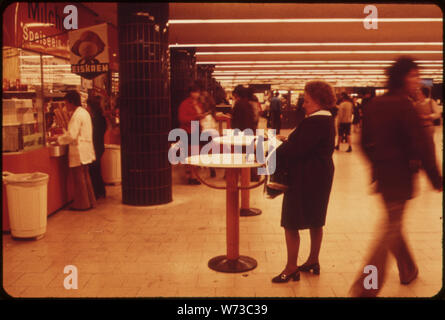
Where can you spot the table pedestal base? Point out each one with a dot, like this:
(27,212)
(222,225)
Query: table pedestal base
(222,264)
(249,212)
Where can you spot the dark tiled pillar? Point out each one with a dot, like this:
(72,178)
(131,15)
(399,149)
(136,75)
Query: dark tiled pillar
(183,72)
(204,72)
(144,103)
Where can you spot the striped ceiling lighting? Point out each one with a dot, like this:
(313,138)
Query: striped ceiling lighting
(290,44)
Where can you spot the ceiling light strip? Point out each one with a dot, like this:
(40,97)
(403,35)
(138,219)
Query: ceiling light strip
(312,61)
(204,45)
(305,65)
(322,52)
(299,20)
(311,73)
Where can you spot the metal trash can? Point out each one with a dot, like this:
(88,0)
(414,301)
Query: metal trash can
(111,164)
(27,203)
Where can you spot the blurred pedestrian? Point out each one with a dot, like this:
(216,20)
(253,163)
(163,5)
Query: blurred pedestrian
(394,141)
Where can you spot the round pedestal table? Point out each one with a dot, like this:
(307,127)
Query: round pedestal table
(242,142)
(232,262)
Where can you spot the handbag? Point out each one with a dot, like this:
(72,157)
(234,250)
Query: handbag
(278,182)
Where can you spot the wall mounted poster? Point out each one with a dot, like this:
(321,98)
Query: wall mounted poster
(89,51)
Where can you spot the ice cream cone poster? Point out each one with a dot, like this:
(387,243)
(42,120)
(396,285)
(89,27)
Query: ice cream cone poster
(89,51)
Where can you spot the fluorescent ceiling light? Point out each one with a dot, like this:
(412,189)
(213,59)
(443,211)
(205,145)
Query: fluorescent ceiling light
(309,76)
(315,44)
(296,72)
(305,65)
(319,52)
(312,61)
(299,20)
(309,73)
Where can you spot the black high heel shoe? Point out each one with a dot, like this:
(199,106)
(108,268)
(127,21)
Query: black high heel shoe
(315,267)
(282,277)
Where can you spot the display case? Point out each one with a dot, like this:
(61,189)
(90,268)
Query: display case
(34,85)
(22,125)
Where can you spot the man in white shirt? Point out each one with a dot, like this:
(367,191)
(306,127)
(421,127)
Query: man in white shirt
(344,117)
(79,137)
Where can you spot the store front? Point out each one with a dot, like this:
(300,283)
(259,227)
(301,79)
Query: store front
(36,74)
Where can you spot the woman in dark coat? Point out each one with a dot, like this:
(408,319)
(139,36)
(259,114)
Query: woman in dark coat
(99,128)
(308,157)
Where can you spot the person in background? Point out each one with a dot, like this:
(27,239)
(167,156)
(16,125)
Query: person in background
(79,137)
(300,110)
(344,121)
(275,113)
(394,141)
(236,93)
(209,107)
(428,111)
(99,128)
(368,97)
(356,114)
(253,100)
(308,157)
(112,117)
(191,110)
(243,113)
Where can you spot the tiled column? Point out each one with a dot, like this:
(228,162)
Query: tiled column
(144,103)
(204,73)
(183,72)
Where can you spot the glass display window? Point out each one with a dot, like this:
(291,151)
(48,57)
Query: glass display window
(34,85)
(22,127)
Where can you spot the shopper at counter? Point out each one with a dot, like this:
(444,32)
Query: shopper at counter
(79,137)
(99,128)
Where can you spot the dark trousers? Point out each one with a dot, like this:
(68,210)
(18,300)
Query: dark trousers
(275,121)
(96,179)
(83,189)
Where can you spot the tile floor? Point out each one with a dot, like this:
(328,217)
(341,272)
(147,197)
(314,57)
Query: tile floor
(162,251)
